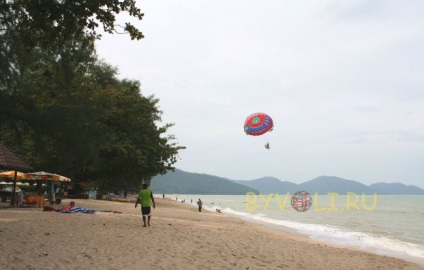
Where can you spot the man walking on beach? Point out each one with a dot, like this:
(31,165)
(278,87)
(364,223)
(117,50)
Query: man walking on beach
(144,197)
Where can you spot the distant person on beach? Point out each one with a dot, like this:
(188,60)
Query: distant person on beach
(199,203)
(144,197)
(163,196)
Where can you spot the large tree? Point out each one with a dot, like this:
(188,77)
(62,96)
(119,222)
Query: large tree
(66,112)
(49,25)
(133,146)
(59,20)
(82,121)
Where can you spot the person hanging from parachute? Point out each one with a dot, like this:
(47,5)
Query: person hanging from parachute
(258,124)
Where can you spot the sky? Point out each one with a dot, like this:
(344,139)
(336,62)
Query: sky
(342,80)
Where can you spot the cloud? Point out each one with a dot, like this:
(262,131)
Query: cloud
(341,79)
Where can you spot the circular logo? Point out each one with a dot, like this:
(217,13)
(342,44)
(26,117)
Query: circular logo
(256,120)
(301,201)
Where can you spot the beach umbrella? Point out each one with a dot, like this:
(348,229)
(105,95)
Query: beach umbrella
(46,176)
(11,175)
(22,184)
(53,177)
(10,189)
(10,161)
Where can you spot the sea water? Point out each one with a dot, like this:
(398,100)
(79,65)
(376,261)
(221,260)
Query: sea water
(383,224)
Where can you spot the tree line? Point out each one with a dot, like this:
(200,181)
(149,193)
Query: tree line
(65,111)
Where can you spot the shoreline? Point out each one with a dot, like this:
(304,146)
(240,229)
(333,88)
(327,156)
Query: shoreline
(367,249)
(328,241)
(303,236)
(180,238)
(342,243)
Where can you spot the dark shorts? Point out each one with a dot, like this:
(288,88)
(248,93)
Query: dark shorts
(145,211)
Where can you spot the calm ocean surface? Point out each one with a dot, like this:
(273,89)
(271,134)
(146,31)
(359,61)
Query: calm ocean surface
(384,224)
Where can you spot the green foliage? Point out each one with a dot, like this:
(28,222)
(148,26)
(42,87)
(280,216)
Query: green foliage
(62,20)
(29,26)
(63,110)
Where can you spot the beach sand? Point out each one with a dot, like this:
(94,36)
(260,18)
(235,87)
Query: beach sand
(179,238)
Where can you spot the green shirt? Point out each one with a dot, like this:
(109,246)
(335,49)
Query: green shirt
(144,196)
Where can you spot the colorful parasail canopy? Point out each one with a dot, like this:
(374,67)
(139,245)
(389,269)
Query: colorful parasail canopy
(258,124)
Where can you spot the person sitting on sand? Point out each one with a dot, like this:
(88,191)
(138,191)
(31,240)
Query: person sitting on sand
(144,197)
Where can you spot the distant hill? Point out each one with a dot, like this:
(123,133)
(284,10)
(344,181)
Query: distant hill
(327,184)
(397,189)
(268,185)
(180,182)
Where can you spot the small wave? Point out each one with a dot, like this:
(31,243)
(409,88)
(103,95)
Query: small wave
(336,235)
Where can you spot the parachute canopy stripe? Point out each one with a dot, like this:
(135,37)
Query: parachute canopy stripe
(257,124)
